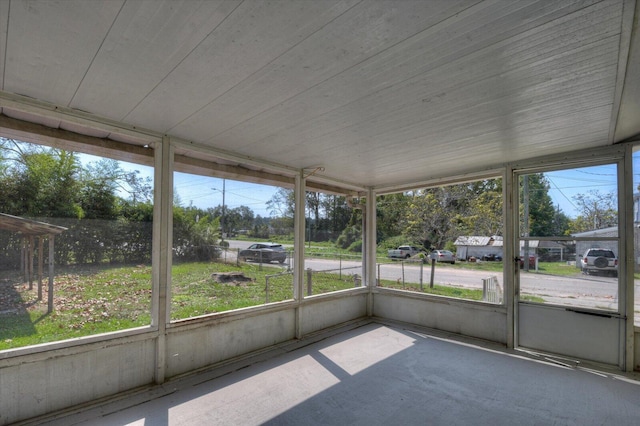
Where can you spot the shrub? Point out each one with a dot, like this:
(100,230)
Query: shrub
(356,247)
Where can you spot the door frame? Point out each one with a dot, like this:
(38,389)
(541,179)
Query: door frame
(577,331)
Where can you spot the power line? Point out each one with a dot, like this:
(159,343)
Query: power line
(562,193)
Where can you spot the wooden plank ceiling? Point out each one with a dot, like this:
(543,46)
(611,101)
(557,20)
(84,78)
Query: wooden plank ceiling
(378,93)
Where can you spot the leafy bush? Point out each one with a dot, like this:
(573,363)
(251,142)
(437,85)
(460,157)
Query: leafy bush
(349,236)
(393,242)
(356,247)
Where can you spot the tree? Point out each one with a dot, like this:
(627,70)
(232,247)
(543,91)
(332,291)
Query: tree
(234,219)
(536,202)
(282,203)
(38,181)
(390,214)
(428,217)
(597,210)
(483,215)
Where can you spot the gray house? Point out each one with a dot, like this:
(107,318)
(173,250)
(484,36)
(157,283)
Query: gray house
(478,247)
(468,246)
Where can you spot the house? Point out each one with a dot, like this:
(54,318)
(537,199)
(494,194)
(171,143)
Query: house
(478,247)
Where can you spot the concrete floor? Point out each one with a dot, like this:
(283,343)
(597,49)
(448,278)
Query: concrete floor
(382,374)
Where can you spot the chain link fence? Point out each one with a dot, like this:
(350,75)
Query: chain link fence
(416,275)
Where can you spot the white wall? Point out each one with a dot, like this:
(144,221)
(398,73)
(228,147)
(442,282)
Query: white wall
(38,380)
(42,382)
(482,321)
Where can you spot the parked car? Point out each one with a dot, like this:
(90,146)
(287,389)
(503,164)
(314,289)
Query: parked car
(403,252)
(599,260)
(443,256)
(264,252)
(492,257)
(532,260)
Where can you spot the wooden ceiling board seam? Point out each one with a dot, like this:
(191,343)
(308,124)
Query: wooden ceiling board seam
(318,97)
(278,90)
(391,90)
(245,42)
(144,60)
(54,59)
(388,125)
(485,112)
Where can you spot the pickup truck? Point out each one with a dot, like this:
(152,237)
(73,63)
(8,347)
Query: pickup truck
(403,252)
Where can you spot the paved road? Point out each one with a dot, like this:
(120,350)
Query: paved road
(578,290)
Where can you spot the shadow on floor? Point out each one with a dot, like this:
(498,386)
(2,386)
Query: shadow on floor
(378,375)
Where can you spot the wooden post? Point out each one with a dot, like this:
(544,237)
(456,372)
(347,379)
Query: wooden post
(23,260)
(40,265)
(50,295)
(30,261)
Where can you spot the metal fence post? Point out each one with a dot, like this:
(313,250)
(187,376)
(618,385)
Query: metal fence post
(433,271)
(484,289)
(266,289)
(309,281)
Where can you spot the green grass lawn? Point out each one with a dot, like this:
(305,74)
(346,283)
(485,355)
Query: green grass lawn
(457,292)
(87,300)
(93,300)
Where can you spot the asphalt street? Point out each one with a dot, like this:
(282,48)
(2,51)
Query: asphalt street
(590,291)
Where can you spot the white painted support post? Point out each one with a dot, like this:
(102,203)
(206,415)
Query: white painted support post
(370,248)
(298,249)
(626,287)
(161,251)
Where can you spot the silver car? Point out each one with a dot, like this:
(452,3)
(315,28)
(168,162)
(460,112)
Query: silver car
(264,253)
(443,256)
(599,260)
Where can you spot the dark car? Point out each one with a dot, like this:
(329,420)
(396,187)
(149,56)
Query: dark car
(264,253)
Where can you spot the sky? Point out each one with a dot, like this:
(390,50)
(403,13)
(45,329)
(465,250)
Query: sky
(566,184)
(205,192)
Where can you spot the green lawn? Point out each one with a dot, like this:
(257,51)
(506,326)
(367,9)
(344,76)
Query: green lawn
(457,292)
(93,300)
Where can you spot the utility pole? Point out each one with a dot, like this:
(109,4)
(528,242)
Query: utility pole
(223,209)
(525,192)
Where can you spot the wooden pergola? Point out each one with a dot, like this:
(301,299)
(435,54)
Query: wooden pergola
(30,230)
